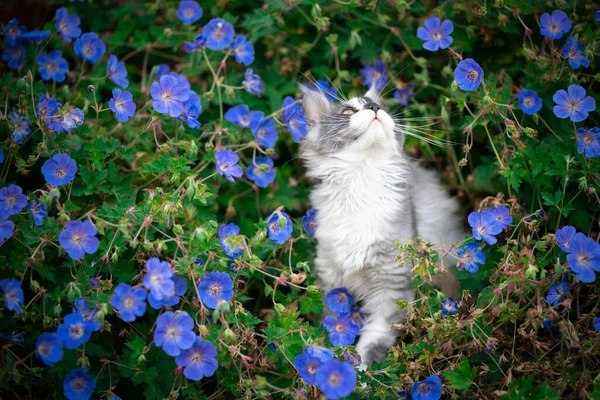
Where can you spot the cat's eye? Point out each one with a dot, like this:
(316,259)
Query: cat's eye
(348,111)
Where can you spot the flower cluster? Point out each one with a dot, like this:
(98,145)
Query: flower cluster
(583,253)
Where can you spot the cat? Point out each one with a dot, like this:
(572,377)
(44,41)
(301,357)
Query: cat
(369,195)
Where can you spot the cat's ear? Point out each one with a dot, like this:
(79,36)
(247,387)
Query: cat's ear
(315,103)
(374,94)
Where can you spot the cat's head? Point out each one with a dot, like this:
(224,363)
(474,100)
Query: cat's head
(352,128)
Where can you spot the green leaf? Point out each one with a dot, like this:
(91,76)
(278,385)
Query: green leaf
(462,376)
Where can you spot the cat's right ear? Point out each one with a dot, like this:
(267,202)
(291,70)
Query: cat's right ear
(315,103)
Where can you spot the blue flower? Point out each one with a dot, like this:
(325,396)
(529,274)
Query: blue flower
(297,126)
(261,171)
(554,26)
(94,283)
(116,71)
(14,32)
(47,107)
(336,379)
(215,288)
(266,133)
(243,50)
(12,200)
(89,47)
(573,103)
(20,126)
(13,56)
(588,142)
(174,333)
(79,238)
(429,389)
(242,116)
(311,358)
(547,323)
(279,227)
(403,94)
(1,156)
(598,19)
(358,316)
(88,313)
(253,84)
(189,11)
(122,105)
(219,34)
(468,75)
(342,330)
(53,66)
(78,385)
(231,241)
(65,119)
(323,87)
(484,226)
(200,40)
(227,164)
(289,108)
(158,278)
(130,303)
(162,69)
(469,257)
(436,34)
(502,216)
(529,101)
(173,299)
(6,229)
(59,170)
(36,37)
(564,236)
(75,331)
(309,222)
(189,47)
(574,52)
(596,322)
(374,75)
(169,94)
(13,294)
(198,361)
(49,348)
(67,25)
(557,292)
(584,258)
(339,300)
(191,110)
(449,306)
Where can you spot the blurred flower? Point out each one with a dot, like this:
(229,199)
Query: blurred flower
(79,238)
(436,34)
(78,385)
(227,164)
(162,69)
(130,303)
(36,37)
(74,331)
(47,107)
(20,126)
(174,333)
(88,313)
(14,32)
(501,215)
(68,119)
(339,300)
(403,94)
(215,288)
(324,87)
(191,110)
(199,361)
(169,94)
(38,212)
(529,101)
(242,116)
(469,257)
(253,84)
(261,171)
(289,108)
(547,323)
(231,241)
(557,293)
(574,52)
(219,34)
(13,294)
(449,306)
(67,25)
(573,103)
(173,299)
(342,330)
(358,316)
(564,237)
(279,227)
(266,133)
(556,25)
(309,222)
(59,170)
(122,104)
(12,200)
(158,278)
(429,389)
(53,66)
(116,71)
(588,142)
(243,50)
(336,379)
(13,56)
(584,258)
(468,75)
(297,126)
(374,75)
(189,11)
(596,323)
(484,226)
(89,47)
(7,229)
(49,348)
(311,358)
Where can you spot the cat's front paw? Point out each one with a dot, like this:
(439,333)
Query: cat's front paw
(374,352)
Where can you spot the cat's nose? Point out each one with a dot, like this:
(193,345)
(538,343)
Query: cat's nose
(372,106)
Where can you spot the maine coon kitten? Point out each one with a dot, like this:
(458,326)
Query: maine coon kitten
(368,197)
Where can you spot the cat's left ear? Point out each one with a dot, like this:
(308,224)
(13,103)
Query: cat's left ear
(315,103)
(374,94)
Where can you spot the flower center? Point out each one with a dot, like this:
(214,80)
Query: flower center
(77,331)
(587,139)
(64,26)
(312,368)
(166,97)
(334,380)
(61,172)
(11,200)
(172,332)
(472,75)
(528,102)
(50,67)
(128,303)
(219,34)
(342,297)
(215,290)
(77,238)
(197,357)
(224,167)
(582,259)
(88,50)
(119,104)
(189,13)
(481,229)
(423,388)
(340,328)
(274,227)
(43,349)
(437,35)
(77,384)
(553,28)
(573,105)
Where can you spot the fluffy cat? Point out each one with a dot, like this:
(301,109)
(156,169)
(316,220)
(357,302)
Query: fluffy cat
(369,195)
